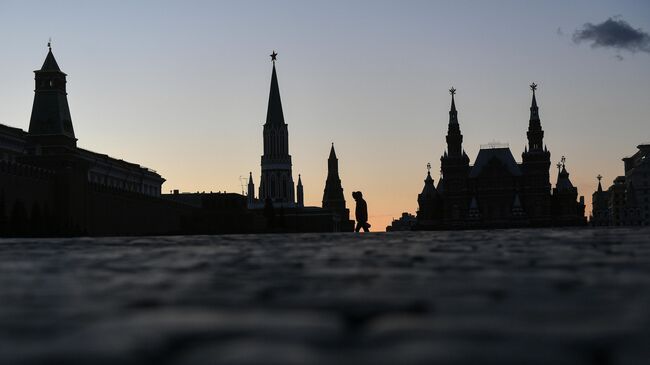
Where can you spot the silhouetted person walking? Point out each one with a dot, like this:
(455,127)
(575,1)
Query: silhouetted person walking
(361,212)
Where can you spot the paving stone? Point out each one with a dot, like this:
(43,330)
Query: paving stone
(560,296)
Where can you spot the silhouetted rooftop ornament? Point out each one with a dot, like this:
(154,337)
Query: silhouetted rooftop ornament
(533,87)
(599,177)
(50,63)
(274,56)
(452,91)
(429,166)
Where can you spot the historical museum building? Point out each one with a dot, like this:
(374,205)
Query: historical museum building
(497,191)
(282,205)
(627,201)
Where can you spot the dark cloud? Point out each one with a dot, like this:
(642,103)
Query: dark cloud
(613,33)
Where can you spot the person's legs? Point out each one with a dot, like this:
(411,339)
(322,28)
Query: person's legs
(365,228)
(358,227)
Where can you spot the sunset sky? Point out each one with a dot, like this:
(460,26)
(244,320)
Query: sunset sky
(182,86)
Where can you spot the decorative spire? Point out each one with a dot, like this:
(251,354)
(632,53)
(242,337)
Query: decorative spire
(452,91)
(428,179)
(534,115)
(600,187)
(300,193)
(563,182)
(533,87)
(333,153)
(453,114)
(274,114)
(50,62)
(535,133)
(454,137)
(333,193)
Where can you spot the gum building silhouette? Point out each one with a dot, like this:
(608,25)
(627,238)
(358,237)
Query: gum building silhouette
(497,191)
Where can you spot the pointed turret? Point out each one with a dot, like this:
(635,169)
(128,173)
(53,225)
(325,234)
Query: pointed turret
(535,133)
(454,137)
(276,182)
(429,203)
(274,113)
(50,125)
(333,197)
(563,182)
(600,187)
(251,190)
(300,193)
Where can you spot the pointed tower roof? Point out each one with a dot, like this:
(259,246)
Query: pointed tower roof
(563,181)
(453,113)
(274,114)
(250,177)
(333,193)
(600,187)
(299,180)
(332,153)
(50,62)
(429,189)
(534,110)
(50,111)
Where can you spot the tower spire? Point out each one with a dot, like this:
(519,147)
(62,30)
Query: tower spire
(454,137)
(600,187)
(50,124)
(333,194)
(276,181)
(453,114)
(274,114)
(535,133)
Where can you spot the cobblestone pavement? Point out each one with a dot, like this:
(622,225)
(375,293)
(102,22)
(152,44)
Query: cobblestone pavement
(565,296)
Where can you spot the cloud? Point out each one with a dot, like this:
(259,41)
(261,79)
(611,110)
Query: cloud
(613,33)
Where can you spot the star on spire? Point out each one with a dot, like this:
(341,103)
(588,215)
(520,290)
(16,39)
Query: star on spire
(599,177)
(533,86)
(452,91)
(429,166)
(274,56)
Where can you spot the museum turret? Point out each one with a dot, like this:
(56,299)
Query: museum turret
(455,168)
(536,163)
(566,208)
(429,214)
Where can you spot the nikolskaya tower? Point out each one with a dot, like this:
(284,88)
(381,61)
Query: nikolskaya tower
(276,181)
